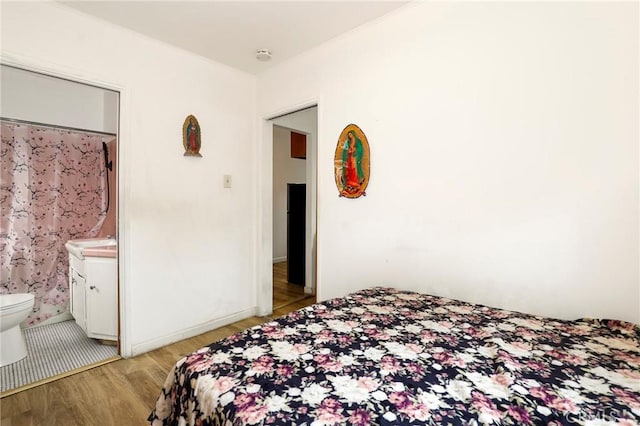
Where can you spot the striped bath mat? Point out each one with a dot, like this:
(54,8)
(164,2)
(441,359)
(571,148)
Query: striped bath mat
(52,350)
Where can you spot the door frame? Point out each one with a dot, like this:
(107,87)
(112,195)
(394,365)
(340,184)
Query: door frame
(264,210)
(123,136)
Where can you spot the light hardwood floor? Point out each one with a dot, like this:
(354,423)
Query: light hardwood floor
(124,392)
(283,292)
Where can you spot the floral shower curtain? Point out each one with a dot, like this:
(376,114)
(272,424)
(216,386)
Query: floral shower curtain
(52,189)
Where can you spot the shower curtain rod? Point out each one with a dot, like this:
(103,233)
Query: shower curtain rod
(54,126)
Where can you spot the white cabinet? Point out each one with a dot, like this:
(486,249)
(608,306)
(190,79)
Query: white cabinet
(78,285)
(94,295)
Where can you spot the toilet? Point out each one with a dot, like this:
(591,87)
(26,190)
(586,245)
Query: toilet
(14,308)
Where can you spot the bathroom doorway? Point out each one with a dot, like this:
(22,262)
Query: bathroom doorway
(64,135)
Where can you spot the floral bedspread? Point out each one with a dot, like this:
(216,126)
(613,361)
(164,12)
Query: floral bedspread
(382,356)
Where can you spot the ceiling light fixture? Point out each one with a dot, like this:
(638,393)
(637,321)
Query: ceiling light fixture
(263,55)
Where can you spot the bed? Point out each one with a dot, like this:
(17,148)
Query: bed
(383,356)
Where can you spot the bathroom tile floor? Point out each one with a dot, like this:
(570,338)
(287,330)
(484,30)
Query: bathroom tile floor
(53,350)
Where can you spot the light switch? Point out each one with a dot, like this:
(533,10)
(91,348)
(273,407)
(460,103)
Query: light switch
(226,181)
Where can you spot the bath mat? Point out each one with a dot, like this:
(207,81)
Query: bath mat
(52,350)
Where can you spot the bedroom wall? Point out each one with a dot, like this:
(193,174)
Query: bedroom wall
(285,170)
(187,245)
(504,154)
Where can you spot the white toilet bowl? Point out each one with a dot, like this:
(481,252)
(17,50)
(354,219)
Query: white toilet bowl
(14,308)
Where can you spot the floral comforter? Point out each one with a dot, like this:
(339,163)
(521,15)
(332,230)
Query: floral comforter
(387,357)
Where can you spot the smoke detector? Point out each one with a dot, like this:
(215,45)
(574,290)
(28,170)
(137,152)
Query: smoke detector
(263,55)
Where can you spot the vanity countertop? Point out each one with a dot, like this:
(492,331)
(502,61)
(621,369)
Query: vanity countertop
(101,251)
(95,247)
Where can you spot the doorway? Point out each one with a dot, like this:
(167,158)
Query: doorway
(293,206)
(76,126)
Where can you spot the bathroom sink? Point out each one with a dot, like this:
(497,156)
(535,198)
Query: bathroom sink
(77,247)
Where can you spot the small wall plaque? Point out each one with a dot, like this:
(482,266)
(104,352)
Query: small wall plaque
(191,137)
(351,162)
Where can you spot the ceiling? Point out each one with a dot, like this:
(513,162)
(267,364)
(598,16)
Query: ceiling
(232,31)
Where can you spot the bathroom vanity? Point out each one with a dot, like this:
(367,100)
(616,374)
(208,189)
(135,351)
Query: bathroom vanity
(93,283)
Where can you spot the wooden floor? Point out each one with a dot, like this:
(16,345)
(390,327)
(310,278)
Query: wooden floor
(284,293)
(124,391)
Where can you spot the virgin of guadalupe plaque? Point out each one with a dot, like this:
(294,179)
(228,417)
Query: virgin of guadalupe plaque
(351,162)
(191,137)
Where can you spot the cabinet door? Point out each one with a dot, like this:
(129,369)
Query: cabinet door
(78,284)
(72,284)
(102,298)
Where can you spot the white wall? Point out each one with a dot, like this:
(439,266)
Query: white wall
(44,99)
(111,105)
(187,245)
(285,170)
(504,154)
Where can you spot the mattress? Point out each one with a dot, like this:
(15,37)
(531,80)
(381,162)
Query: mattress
(382,356)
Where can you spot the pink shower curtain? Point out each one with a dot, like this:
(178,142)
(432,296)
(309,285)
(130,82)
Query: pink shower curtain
(52,189)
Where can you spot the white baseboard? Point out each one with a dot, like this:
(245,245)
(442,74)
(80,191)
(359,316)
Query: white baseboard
(279,259)
(158,342)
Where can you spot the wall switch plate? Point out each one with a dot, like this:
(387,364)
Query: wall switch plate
(226,181)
